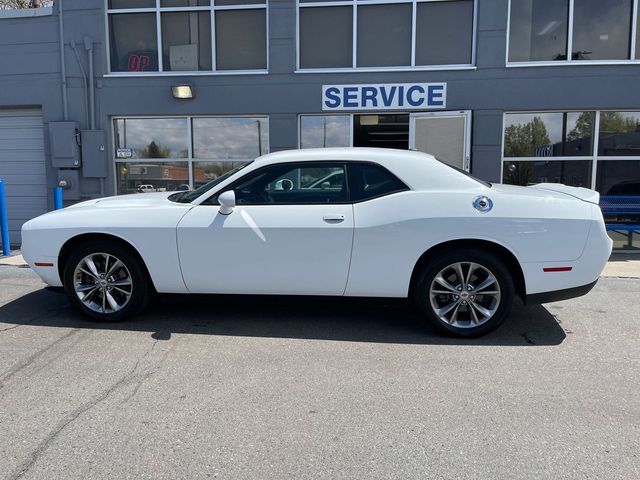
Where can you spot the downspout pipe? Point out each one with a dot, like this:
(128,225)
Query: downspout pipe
(84,76)
(63,68)
(88,46)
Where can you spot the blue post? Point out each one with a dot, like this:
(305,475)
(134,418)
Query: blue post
(57,198)
(4,221)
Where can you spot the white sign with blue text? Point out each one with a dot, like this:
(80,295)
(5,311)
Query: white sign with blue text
(385,96)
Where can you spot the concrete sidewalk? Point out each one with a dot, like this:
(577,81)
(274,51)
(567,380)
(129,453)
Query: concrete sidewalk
(621,265)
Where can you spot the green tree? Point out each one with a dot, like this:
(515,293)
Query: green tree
(521,140)
(153,150)
(583,128)
(616,122)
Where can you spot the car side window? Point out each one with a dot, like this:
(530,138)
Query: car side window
(367,181)
(287,184)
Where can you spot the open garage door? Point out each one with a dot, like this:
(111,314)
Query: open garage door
(22,165)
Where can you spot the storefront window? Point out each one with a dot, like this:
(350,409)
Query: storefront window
(188,34)
(241,39)
(619,134)
(386,34)
(539,30)
(320,131)
(576,173)
(152,177)
(134,44)
(601,29)
(619,177)
(186,41)
(326,37)
(448,21)
(561,134)
(177,162)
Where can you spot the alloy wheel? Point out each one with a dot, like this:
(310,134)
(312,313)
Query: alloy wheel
(465,295)
(103,283)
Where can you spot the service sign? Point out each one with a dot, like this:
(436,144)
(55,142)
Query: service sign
(385,96)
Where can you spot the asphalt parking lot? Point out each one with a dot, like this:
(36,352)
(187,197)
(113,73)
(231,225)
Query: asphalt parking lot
(250,388)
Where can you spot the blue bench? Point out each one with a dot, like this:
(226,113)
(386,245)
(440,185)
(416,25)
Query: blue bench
(621,214)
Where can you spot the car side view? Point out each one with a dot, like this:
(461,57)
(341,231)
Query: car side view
(352,222)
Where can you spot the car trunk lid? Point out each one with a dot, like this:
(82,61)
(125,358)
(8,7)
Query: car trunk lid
(580,193)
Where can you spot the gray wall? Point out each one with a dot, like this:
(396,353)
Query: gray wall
(29,75)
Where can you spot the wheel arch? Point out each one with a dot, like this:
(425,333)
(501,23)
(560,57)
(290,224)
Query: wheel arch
(502,252)
(74,242)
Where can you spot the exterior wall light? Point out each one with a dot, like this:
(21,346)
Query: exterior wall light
(182,91)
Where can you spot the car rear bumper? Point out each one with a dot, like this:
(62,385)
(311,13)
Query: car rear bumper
(558,295)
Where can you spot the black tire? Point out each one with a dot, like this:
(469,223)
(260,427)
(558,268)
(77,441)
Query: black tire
(140,289)
(501,304)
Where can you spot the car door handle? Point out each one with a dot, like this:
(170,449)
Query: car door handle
(333,218)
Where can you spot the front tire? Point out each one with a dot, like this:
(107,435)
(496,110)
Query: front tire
(465,293)
(106,281)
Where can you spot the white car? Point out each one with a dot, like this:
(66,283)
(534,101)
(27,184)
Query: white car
(402,224)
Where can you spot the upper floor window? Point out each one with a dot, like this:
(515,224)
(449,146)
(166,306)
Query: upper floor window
(360,34)
(572,31)
(187,35)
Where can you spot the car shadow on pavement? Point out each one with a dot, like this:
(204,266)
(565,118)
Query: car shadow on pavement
(319,318)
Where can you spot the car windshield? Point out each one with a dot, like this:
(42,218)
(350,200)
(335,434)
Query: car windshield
(188,197)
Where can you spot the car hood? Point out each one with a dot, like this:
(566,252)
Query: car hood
(549,190)
(132,200)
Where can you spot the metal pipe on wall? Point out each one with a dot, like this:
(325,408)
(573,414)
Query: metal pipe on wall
(84,76)
(88,45)
(63,68)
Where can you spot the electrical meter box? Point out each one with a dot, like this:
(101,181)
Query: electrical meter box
(65,140)
(94,155)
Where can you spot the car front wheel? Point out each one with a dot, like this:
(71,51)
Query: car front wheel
(466,293)
(106,281)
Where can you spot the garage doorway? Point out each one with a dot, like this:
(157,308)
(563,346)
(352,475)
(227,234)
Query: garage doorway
(445,135)
(22,165)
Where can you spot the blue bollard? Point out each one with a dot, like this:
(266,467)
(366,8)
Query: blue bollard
(57,198)
(4,221)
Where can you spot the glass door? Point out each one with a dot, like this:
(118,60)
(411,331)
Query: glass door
(445,135)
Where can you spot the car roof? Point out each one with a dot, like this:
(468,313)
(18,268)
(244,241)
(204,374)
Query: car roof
(355,154)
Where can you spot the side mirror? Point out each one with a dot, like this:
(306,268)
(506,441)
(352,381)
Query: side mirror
(227,201)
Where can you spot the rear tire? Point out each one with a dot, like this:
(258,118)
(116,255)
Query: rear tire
(106,281)
(465,292)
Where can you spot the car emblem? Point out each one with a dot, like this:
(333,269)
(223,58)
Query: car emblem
(483,204)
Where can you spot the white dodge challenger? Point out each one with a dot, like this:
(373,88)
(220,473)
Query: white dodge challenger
(344,222)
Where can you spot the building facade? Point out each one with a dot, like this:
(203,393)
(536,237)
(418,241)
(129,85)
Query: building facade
(518,91)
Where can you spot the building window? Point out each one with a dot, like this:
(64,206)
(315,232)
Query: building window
(164,154)
(359,34)
(322,131)
(597,150)
(187,35)
(539,31)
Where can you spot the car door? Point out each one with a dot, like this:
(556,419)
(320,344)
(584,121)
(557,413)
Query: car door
(288,234)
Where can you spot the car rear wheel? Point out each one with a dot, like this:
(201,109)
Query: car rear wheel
(105,281)
(465,293)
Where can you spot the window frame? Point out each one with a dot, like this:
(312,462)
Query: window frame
(354,44)
(190,159)
(209,201)
(631,60)
(594,158)
(158,11)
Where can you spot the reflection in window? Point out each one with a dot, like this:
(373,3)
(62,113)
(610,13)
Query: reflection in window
(619,134)
(538,30)
(186,41)
(601,29)
(320,131)
(151,137)
(134,44)
(561,134)
(448,25)
(619,177)
(204,172)
(576,173)
(152,177)
(384,35)
(225,138)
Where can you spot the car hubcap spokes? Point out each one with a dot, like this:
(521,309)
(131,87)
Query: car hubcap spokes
(465,295)
(102,283)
